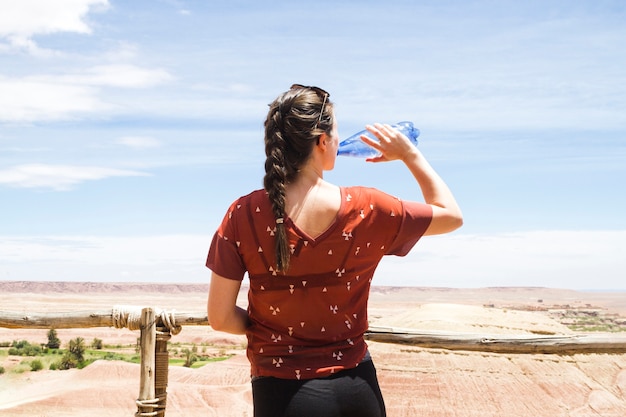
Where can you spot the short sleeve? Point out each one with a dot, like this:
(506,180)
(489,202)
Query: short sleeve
(224,258)
(415,221)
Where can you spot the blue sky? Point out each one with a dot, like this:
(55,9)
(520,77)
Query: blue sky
(126,129)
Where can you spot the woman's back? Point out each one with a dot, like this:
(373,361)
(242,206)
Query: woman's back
(310,318)
(314,208)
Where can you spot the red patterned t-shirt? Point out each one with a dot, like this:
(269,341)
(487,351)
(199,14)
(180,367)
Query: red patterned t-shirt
(310,322)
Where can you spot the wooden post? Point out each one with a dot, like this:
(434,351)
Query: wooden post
(161,369)
(146,401)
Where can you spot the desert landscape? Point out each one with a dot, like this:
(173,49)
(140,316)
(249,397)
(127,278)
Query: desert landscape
(416,380)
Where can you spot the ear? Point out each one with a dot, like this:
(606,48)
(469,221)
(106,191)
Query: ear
(322,141)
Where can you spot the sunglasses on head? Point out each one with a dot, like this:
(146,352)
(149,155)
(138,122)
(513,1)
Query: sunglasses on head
(320,93)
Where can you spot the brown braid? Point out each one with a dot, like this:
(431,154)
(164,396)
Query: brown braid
(292,128)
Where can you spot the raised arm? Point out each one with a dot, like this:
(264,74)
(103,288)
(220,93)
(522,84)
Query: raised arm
(224,314)
(393,145)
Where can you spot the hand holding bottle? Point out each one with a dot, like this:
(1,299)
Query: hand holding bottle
(388,142)
(356,146)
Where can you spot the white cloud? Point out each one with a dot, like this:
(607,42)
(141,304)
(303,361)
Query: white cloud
(123,51)
(20,20)
(127,76)
(558,259)
(49,98)
(93,250)
(27,45)
(58,177)
(166,258)
(28,99)
(138,142)
(576,260)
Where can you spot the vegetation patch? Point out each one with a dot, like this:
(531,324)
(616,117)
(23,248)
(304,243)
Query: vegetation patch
(593,321)
(77,353)
(585,318)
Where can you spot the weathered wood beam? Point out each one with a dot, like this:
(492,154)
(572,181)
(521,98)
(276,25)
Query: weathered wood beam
(82,319)
(558,344)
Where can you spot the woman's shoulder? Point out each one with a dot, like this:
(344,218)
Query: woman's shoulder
(363,193)
(256,198)
(252,197)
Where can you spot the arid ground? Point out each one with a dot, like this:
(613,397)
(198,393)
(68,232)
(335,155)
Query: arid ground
(416,381)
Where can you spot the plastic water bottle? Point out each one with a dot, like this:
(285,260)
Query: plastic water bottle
(354,146)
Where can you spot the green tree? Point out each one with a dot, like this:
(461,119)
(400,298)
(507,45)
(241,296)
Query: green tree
(96,343)
(36,365)
(74,357)
(77,349)
(53,341)
(68,361)
(190,357)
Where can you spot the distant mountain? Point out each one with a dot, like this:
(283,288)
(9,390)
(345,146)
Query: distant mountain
(41,287)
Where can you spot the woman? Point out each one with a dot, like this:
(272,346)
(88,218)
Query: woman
(310,249)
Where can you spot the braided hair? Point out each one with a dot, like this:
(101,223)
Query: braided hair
(294,124)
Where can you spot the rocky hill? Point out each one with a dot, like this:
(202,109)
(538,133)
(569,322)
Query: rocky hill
(69,287)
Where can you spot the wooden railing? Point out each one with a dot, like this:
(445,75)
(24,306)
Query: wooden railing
(157,326)
(502,343)
(122,316)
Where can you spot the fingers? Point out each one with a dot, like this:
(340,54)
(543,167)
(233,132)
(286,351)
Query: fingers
(388,141)
(379,158)
(380,131)
(385,133)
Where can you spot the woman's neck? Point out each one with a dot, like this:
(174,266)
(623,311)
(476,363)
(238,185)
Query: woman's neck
(309,177)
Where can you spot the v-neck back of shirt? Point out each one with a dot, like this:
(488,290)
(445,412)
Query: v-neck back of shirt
(313,238)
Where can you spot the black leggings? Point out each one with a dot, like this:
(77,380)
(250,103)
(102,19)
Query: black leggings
(348,393)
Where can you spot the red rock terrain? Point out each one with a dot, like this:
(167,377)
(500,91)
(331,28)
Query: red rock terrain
(415,381)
